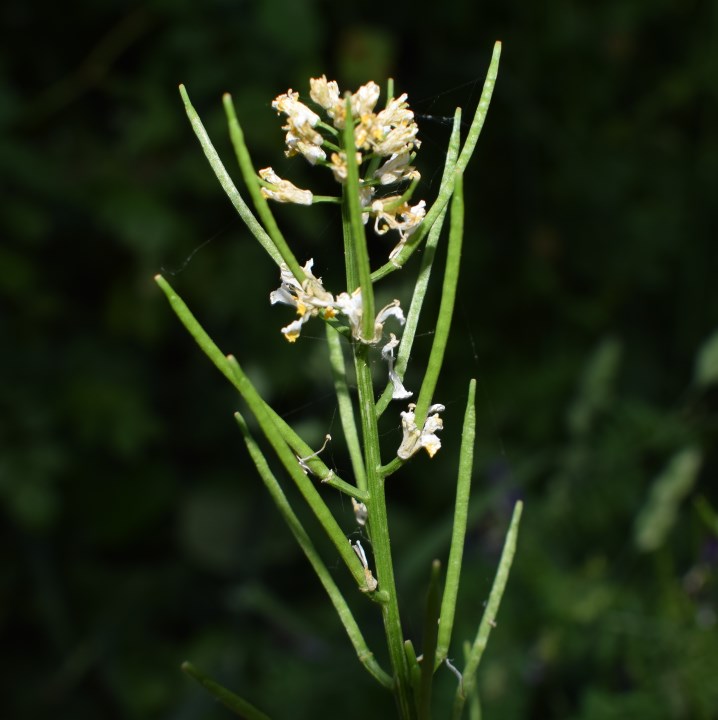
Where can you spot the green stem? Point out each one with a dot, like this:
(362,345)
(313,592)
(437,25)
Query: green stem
(414,668)
(488,621)
(260,202)
(357,235)
(482,109)
(346,411)
(350,262)
(446,307)
(301,449)
(461,512)
(431,619)
(366,657)
(427,262)
(239,706)
(235,374)
(379,533)
(226,181)
(412,318)
(442,199)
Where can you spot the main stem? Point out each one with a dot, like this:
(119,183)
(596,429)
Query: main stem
(379,532)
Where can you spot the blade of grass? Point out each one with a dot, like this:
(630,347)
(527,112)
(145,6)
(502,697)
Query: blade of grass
(226,181)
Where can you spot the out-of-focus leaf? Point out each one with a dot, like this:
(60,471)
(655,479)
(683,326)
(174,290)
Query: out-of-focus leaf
(706,371)
(658,515)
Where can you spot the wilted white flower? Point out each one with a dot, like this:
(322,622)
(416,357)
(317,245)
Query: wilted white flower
(339,165)
(283,190)
(364,99)
(302,138)
(309,298)
(366,197)
(415,439)
(362,104)
(394,130)
(396,169)
(352,307)
(296,111)
(325,93)
(395,114)
(402,217)
(371,582)
(361,514)
(387,353)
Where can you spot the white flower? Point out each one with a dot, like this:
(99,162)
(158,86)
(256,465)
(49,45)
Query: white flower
(283,190)
(394,130)
(396,113)
(352,307)
(325,93)
(387,353)
(304,140)
(308,297)
(403,217)
(364,99)
(339,165)
(362,105)
(415,439)
(301,138)
(396,169)
(296,111)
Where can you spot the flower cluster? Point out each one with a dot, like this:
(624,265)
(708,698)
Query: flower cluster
(385,140)
(311,299)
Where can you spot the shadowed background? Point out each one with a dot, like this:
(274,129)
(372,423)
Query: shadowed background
(135,532)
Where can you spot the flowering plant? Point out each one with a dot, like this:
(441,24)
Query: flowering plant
(370,153)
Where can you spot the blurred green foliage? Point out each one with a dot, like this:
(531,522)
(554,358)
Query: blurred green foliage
(134,531)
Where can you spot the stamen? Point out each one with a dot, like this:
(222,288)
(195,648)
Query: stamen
(303,461)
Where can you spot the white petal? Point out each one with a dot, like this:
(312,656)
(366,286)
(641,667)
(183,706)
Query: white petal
(430,443)
(394,309)
(292,331)
(399,392)
(283,190)
(387,352)
(282,295)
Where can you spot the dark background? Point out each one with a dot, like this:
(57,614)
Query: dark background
(134,532)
